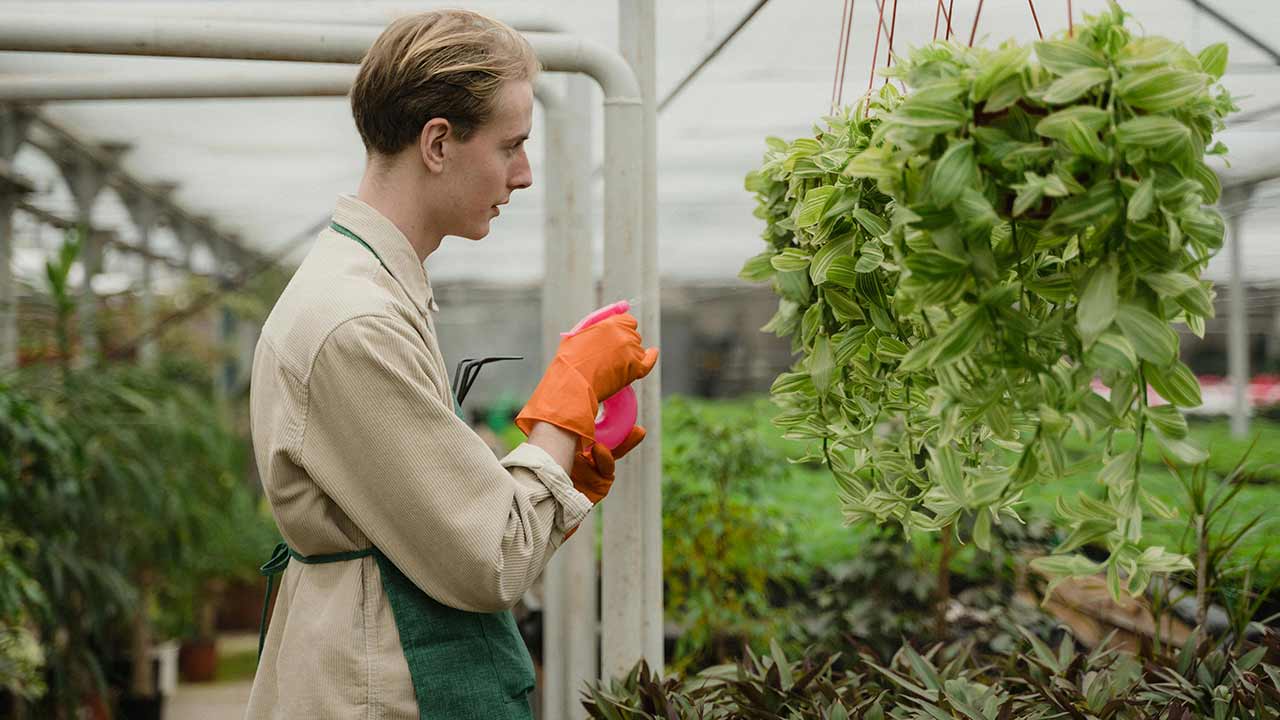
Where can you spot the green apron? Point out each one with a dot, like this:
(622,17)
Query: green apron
(464,665)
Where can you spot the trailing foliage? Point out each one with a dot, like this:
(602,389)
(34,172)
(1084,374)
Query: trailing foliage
(958,264)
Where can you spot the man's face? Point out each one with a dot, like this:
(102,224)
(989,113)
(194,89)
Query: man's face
(483,171)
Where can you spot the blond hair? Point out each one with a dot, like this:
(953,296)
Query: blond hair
(442,63)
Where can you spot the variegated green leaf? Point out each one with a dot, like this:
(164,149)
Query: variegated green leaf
(1071,86)
(1152,338)
(1175,383)
(1064,56)
(790,260)
(1161,88)
(824,257)
(1098,303)
(1213,60)
(955,170)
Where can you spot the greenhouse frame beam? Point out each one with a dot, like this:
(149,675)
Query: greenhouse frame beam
(1236,28)
(628,214)
(125,182)
(110,237)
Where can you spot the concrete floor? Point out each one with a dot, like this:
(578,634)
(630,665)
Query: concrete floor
(209,701)
(215,701)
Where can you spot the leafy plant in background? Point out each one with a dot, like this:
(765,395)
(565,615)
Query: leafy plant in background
(21,658)
(123,481)
(723,551)
(58,273)
(958,264)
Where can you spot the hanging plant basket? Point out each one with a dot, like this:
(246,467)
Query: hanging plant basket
(959,263)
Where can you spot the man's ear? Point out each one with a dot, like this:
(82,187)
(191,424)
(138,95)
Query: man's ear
(431,143)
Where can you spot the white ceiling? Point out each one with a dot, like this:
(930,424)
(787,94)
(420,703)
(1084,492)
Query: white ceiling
(269,168)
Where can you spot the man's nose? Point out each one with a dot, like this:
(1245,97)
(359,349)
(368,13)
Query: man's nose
(523,175)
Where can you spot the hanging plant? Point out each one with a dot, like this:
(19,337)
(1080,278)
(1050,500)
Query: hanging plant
(957,265)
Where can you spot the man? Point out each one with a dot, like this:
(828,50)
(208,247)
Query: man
(409,540)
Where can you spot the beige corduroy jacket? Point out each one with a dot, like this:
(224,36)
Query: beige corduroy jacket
(357,444)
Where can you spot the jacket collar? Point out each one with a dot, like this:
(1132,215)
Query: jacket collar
(391,246)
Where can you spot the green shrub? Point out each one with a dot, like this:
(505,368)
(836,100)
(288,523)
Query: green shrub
(723,549)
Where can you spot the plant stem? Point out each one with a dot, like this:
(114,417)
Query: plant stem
(140,676)
(944,581)
(1202,572)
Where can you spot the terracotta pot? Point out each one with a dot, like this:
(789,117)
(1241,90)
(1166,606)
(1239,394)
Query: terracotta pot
(198,661)
(96,707)
(240,606)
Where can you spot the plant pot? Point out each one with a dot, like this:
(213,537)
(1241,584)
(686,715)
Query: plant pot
(95,707)
(198,661)
(133,707)
(240,606)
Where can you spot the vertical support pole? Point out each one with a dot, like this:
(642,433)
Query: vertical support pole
(86,179)
(145,212)
(14,122)
(8,289)
(570,612)
(224,329)
(13,132)
(582,559)
(632,608)
(1237,319)
(188,235)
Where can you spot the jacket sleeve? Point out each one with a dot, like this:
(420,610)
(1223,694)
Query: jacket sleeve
(470,530)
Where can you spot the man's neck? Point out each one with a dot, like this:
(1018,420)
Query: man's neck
(397,199)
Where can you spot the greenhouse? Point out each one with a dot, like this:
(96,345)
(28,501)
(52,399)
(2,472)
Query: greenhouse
(942,340)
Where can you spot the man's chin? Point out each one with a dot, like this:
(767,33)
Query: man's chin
(478,233)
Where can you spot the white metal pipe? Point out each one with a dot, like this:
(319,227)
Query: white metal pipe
(309,42)
(1237,318)
(364,13)
(632,606)
(570,612)
(582,599)
(313,81)
(554,230)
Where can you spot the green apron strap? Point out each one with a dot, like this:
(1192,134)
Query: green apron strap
(344,231)
(279,561)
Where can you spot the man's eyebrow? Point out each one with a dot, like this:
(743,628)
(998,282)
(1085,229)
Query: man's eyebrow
(518,138)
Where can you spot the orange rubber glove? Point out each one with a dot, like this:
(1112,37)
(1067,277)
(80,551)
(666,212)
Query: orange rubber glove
(588,367)
(592,472)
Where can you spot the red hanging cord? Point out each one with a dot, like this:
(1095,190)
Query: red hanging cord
(1071,27)
(937,15)
(875,51)
(893,27)
(1032,4)
(974,33)
(835,81)
(844,54)
(951,9)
